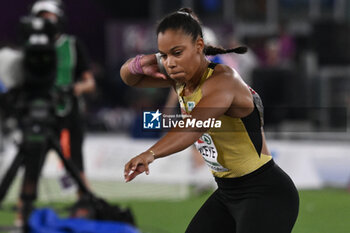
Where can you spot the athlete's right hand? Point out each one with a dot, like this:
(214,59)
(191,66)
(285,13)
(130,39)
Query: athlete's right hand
(138,165)
(150,66)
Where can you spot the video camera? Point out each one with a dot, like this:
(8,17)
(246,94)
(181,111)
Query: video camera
(37,101)
(37,36)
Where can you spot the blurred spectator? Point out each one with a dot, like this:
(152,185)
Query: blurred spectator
(286,44)
(243,63)
(272,53)
(279,50)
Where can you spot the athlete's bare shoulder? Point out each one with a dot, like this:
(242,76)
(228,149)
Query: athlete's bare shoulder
(227,74)
(227,80)
(223,79)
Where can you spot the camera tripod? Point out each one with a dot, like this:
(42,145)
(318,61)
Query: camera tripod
(31,154)
(41,124)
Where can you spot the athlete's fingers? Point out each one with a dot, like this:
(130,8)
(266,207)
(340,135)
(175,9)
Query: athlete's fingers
(160,75)
(146,168)
(140,169)
(130,166)
(132,176)
(126,169)
(134,163)
(136,166)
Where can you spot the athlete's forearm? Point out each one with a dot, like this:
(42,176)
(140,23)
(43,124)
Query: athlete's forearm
(127,77)
(174,142)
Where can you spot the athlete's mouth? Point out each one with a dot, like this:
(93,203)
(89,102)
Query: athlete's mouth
(175,73)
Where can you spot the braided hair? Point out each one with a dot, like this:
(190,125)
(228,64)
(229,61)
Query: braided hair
(189,23)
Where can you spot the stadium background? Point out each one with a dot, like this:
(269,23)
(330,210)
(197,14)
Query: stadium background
(306,96)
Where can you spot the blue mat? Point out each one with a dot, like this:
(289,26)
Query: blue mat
(47,221)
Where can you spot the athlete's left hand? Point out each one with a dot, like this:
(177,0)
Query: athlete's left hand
(150,66)
(138,165)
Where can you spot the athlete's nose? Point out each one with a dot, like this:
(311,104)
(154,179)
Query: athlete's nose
(171,62)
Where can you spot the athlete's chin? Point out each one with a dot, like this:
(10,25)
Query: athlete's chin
(180,76)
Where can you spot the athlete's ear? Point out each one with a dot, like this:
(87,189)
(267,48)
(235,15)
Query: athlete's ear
(200,44)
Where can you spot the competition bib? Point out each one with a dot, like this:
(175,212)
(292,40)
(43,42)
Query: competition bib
(206,147)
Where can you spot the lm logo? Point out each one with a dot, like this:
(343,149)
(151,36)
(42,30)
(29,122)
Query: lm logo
(151,120)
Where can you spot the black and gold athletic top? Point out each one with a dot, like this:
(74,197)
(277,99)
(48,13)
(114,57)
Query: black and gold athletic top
(234,150)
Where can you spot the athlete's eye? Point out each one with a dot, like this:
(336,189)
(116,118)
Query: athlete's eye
(177,52)
(163,56)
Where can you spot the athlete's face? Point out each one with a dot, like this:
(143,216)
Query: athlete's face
(180,55)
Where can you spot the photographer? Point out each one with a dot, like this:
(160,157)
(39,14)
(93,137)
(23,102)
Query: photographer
(72,73)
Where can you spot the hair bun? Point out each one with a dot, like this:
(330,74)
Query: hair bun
(186,10)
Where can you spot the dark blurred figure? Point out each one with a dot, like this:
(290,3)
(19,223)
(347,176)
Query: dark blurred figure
(280,50)
(244,64)
(276,78)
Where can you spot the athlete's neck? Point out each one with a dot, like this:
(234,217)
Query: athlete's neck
(192,84)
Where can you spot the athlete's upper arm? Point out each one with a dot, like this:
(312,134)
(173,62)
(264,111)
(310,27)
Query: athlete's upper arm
(217,97)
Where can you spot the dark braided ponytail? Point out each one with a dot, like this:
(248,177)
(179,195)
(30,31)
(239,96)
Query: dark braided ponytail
(186,20)
(212,50)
